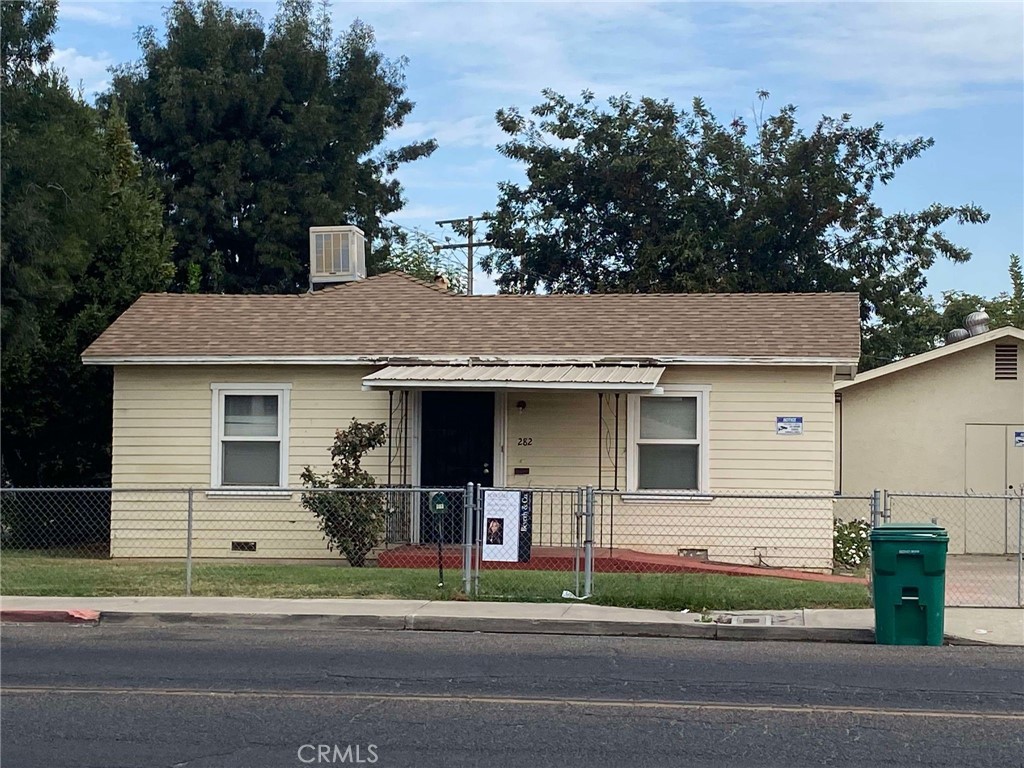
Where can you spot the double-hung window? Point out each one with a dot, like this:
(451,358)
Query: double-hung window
(669,444)
(250,431)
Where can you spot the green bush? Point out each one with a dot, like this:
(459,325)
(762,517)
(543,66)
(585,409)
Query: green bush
(352,519)
(850,542)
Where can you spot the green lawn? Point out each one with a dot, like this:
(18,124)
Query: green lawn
(24,573)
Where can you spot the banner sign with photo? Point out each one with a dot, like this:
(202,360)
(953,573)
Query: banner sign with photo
(508,525)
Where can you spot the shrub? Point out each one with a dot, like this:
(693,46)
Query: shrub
(850,542)
(352,521)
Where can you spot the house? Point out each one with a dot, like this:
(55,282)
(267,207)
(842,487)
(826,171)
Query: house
(951,421)
(668,401)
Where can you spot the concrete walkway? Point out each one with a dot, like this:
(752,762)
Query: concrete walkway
(998,626)
(988,626)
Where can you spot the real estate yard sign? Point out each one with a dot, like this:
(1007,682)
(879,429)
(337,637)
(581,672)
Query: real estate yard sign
(508,525)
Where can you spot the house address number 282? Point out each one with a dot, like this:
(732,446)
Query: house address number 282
(525,441)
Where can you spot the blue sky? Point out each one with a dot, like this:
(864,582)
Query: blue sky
(952,71)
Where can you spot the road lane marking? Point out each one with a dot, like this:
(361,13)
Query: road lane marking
(505,700)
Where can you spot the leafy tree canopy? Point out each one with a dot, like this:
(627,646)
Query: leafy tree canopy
(83,236)
(259,133)
(639,196)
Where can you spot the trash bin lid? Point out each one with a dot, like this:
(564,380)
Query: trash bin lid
(909,532)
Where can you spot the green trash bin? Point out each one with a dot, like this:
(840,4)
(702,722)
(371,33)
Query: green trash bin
(908,576)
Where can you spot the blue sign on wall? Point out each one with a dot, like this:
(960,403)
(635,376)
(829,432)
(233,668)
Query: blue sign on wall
(789,425)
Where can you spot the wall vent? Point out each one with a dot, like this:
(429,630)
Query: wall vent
(1006,362)
(700,553)
(243,546)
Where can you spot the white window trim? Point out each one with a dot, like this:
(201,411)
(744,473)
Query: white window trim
(702,392)
(219,390)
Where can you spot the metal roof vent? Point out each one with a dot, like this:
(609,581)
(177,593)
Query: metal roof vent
(336,255)
(976,322)
(957,334)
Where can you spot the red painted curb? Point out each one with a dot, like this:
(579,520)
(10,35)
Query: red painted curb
(73,616)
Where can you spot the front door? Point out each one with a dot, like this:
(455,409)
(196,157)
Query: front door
(457,447)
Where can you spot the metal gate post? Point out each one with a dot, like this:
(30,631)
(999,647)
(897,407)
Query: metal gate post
(467,539)
(588,544)
(1020,550)
(577,537)
(478,541)
(876,508)
(886,507)
(188,548)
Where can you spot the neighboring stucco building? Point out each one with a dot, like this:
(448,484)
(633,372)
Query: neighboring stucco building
(948,421)
(667,399)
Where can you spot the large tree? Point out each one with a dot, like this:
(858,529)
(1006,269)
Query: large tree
(639,196)
(83,236)
(259,133)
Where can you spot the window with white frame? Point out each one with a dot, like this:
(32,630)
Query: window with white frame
(669,445)
(250,428)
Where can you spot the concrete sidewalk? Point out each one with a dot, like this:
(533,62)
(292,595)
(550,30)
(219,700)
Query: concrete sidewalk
(998,626)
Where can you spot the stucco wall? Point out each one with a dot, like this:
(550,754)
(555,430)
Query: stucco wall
(907,431)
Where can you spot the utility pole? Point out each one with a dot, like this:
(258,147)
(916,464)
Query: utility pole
(468,245)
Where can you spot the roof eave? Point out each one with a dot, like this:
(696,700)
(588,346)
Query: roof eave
(773,360)
(933,354)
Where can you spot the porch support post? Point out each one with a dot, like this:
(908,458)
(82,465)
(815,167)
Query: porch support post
(616,459)
(405,437)
(391,429)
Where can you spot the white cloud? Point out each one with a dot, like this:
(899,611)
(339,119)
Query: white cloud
(469,131)
(885,59)
(109,14)
(89,72)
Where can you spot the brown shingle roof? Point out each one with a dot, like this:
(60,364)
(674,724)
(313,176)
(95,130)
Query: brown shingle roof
(396,316)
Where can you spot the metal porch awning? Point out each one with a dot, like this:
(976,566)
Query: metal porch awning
(599,378)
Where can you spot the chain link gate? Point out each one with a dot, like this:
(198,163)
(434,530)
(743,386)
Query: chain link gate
(531,544)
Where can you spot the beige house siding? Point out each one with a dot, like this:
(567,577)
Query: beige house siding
(161,439)
(908,431)
(556,437)
(162,433)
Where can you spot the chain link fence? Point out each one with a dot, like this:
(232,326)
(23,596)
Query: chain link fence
(984,566)
(491,543)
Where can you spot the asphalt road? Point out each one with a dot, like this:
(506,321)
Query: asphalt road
(216,697)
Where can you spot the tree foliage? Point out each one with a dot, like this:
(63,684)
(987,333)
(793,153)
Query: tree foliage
(352,520)
(926,320)
(639,196)
(83,236)
(258,134)
(415,255)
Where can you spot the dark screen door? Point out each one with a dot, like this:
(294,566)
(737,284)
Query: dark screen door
(457,447)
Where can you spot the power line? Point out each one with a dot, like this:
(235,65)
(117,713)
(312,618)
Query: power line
(468,245)
(449,261)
